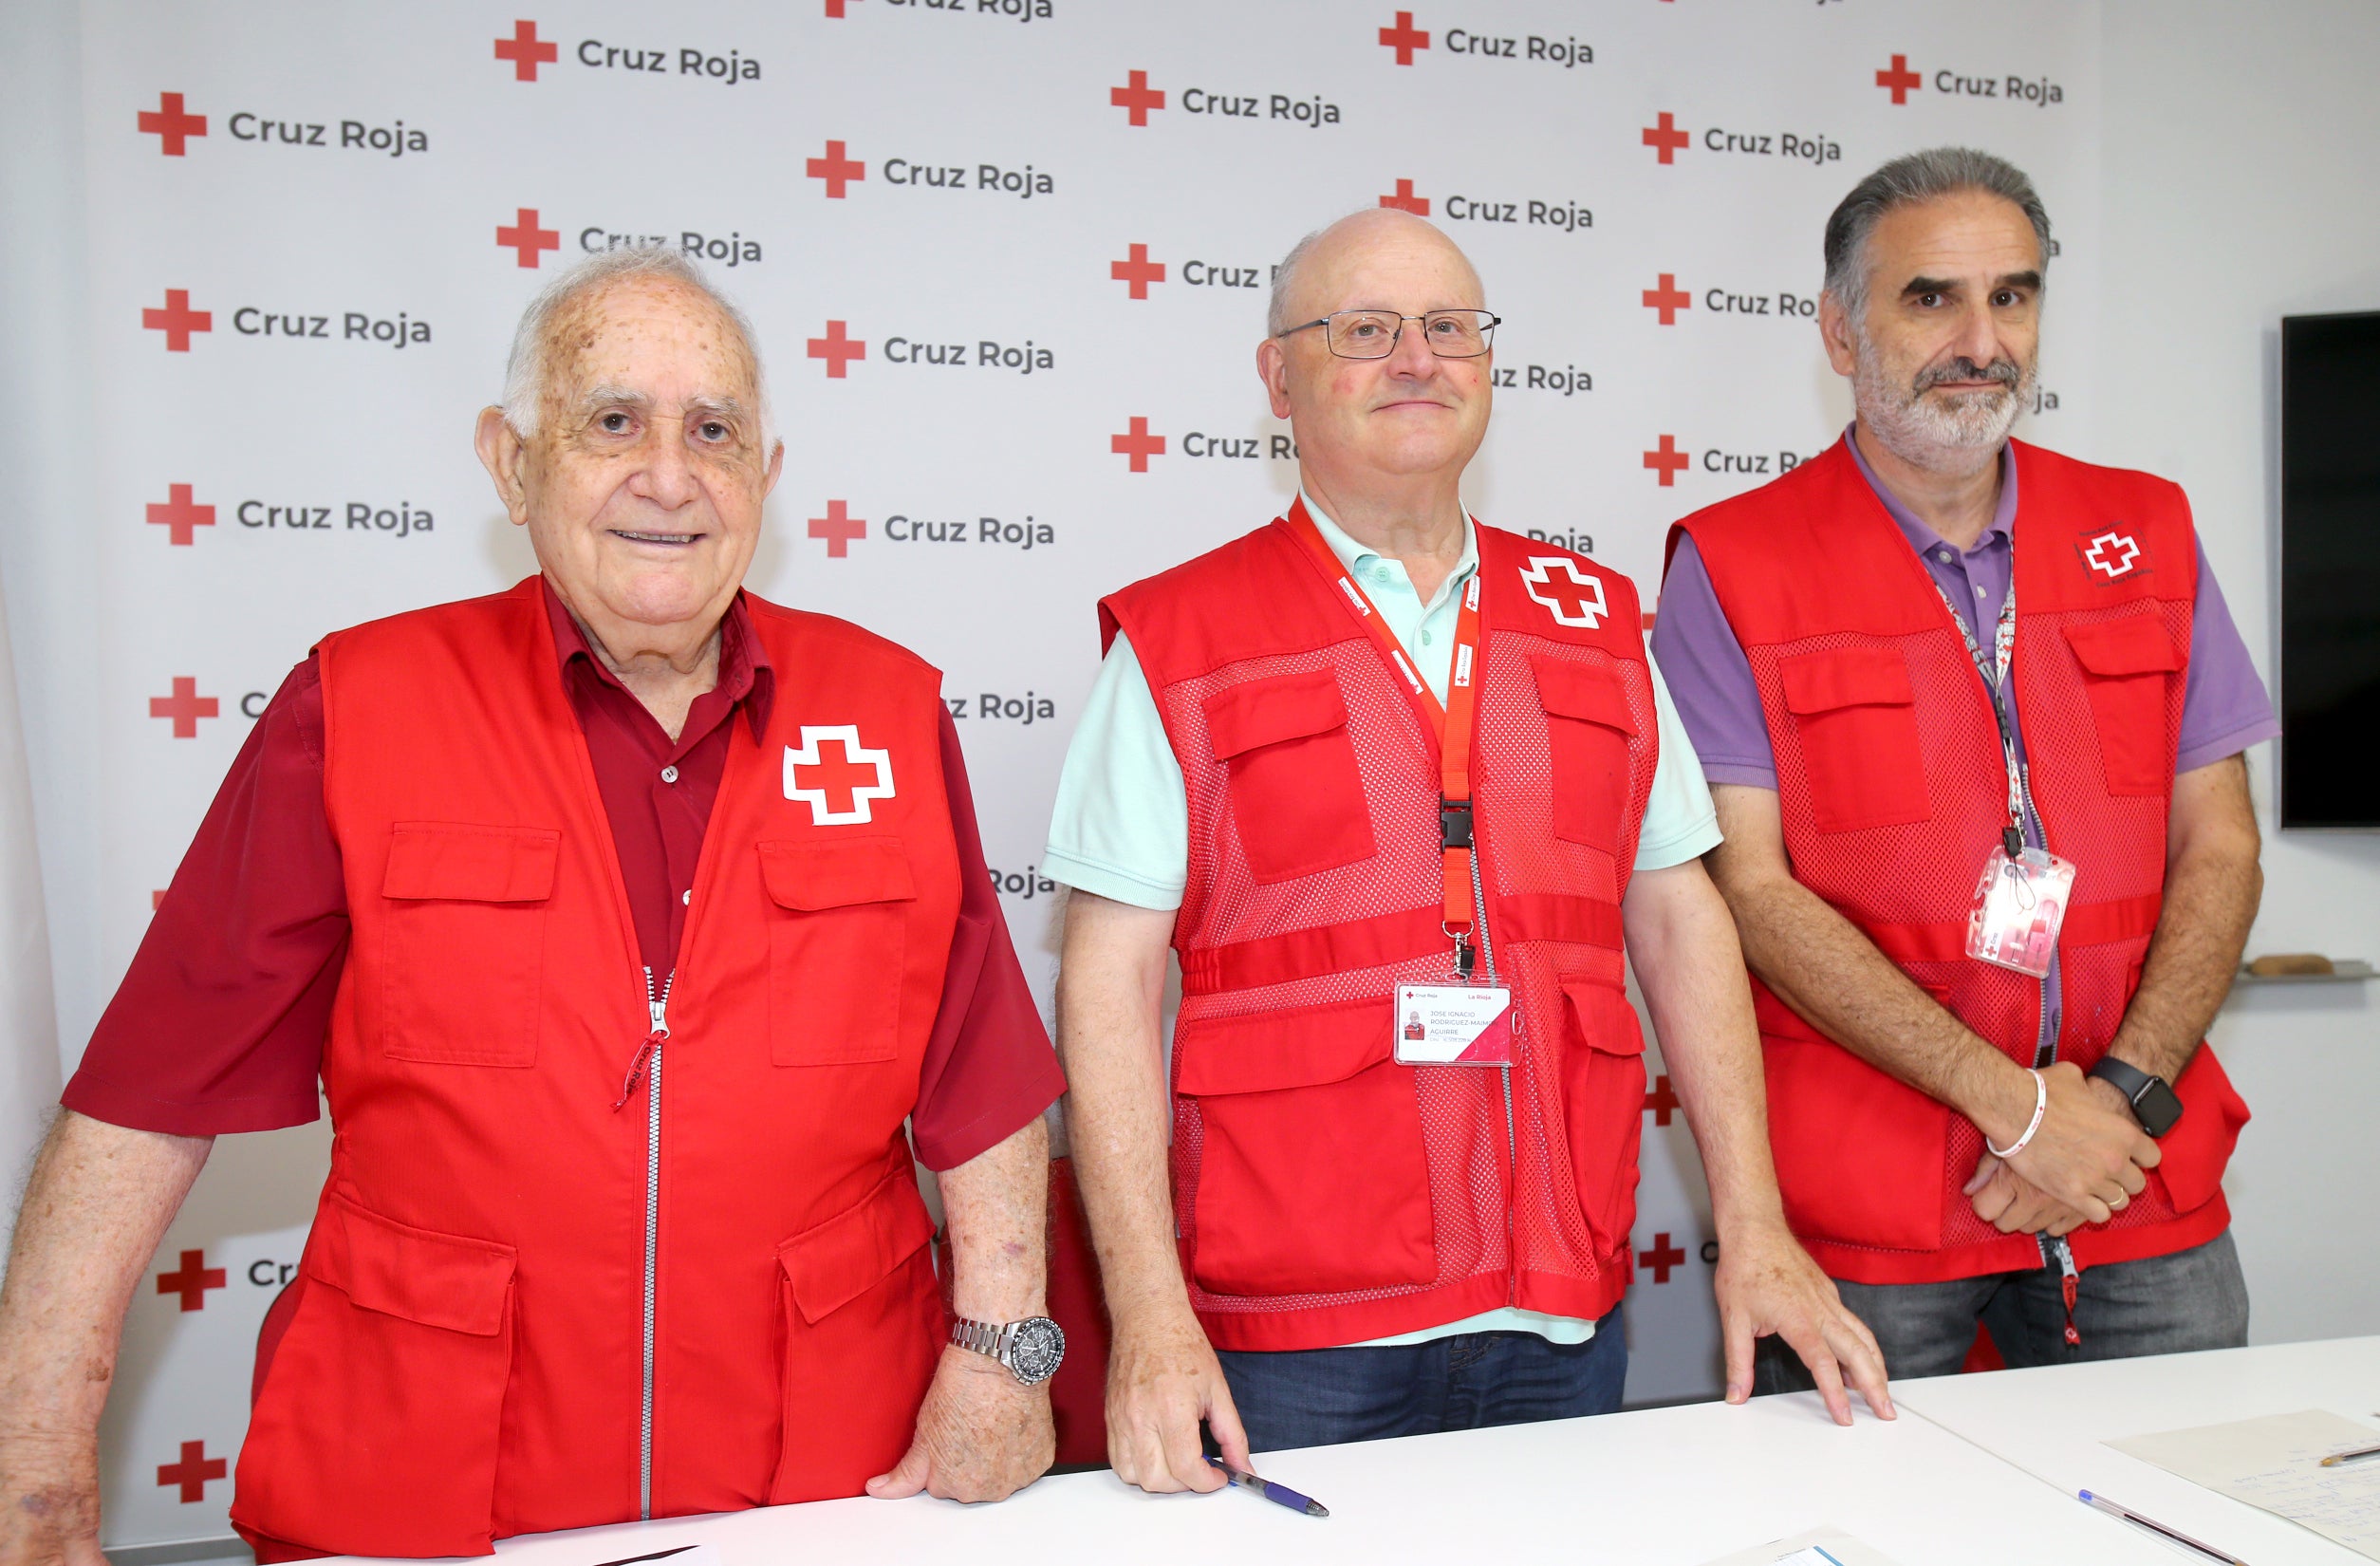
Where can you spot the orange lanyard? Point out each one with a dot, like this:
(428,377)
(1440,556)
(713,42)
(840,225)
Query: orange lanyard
(1451,725)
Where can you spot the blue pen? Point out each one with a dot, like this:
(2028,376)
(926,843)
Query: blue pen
(1279,1494)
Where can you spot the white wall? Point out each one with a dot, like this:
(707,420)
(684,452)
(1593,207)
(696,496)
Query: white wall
(2242,184)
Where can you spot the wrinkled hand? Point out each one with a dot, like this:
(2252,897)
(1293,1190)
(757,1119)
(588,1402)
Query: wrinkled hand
(1767,1284)
(50,1508)
(1162,1378)
(980,1436)
(2087,1155)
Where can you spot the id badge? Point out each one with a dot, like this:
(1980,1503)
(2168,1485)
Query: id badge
(1454,1025)
(2019,905)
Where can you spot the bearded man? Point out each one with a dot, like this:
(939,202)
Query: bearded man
(1973,714)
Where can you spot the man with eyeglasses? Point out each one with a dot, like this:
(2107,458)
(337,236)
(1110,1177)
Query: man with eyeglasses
(1394,784)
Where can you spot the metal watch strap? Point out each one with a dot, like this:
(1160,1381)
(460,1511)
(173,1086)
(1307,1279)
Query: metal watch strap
(982,1337)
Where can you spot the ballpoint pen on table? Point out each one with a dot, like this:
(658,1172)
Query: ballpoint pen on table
(1278,1494)
(2103,1503)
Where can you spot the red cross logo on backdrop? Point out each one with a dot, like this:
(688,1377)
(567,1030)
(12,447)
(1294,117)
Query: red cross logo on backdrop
(1404,200)
(837,348)
(170,125)
(1138,444)
(1137,98)
(2112,554)
(838,788)
(1899,79)
(1665,138)
(192,1472)
(1663,1256)
(181,514)
(527,51)
(837,169)
(193,1281)
(838,527)
(177,321)
(1138,271)
(834,9)
(1660,1103)
(1575,600)
(526,239)
(185,707)
(1404,38)
(1668,459)
(1668,298)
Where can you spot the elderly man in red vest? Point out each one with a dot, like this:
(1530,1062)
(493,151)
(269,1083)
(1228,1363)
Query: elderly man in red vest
(630,925)
(1973,714)
(1394,784)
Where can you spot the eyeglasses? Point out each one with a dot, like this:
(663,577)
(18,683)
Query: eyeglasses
(1374,335)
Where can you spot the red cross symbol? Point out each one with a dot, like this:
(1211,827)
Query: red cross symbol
(185,707)
(177,319)
(526,238)
(193,1281)
(1138,445)
(1900,79)
(192,1471)
(1404,39)
(1404,200)
(181,514)
(1138,271)
(527,51)
(839,791)
(156,900)
(170,125)
(1661,1102)
(1138,98)
(834,9)
(838,349)
(1663,1256)
(1667,137)
(2124,550)
(838,527)
(836,170)
(1669,460)
(1669,299)
(1575,600)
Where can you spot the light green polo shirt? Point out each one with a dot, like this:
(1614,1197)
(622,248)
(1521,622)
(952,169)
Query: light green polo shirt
(1122,826)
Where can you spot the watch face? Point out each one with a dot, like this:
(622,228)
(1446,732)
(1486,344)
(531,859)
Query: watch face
(1034,1353)
(2158,1106)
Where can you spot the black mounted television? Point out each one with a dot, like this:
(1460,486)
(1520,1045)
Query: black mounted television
(2330,571)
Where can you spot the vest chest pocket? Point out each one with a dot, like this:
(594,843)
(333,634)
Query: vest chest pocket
(1587,730)
(1856,719)
(1298,794)
(2126,665)
(464,966)
(836,945)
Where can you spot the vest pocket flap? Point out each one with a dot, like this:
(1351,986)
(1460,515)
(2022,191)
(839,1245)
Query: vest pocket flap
(1582,691)
(1593,1002)
(1846,677)
(830,1264)
(449,862)
(1301,1049)
(438,1280)
(1265,711)
(2135,644)
(809,877)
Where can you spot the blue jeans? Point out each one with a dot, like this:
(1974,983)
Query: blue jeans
(1320,1397)
(2158,1305)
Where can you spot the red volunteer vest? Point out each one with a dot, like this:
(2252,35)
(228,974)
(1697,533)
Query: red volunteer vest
(1892,791)
(1323,1194)
(469,1358)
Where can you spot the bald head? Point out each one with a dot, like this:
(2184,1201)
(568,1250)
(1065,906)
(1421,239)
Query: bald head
(1318,267)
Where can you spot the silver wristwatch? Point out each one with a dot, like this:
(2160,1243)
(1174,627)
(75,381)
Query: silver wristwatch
(1032,1349)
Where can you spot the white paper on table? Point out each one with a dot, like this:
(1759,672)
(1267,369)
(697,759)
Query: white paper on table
(1818,1547)
(2275,1463)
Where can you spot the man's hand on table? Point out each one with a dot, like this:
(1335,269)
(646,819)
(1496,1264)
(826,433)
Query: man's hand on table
(50,1506)
(980,1436)
(1767,1284)
(1162,1378)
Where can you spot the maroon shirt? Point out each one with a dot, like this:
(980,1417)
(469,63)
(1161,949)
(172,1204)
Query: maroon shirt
(220,1022)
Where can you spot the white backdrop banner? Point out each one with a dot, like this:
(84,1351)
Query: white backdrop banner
(1008,260)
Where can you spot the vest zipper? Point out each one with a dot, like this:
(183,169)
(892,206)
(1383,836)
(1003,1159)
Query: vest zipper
(1512,1150)
(648,1063)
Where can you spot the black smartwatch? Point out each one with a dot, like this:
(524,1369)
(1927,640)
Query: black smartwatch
(2152,1098)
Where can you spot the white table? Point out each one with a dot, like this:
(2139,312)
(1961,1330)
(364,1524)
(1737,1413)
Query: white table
(2052,1422)
(1663,1487)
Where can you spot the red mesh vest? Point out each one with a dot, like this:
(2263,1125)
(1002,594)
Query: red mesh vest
(1893,791)
(1323,1194)
(467,1360)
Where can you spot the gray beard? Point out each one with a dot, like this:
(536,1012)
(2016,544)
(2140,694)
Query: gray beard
(1956,434)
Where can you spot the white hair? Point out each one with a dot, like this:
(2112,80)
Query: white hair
(530,369)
